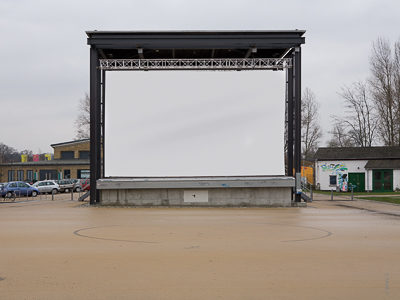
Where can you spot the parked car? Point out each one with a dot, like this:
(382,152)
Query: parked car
(47,186)
(82,185)
(66,185)
(18,188)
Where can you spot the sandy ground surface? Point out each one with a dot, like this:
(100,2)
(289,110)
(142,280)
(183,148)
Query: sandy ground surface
(62,250)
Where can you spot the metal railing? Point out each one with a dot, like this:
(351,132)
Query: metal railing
(351,187)
(12,196)
(307,191)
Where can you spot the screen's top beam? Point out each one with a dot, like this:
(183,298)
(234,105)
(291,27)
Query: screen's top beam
(194,44)
(196,64)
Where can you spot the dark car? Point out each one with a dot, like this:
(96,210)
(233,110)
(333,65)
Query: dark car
(18,188)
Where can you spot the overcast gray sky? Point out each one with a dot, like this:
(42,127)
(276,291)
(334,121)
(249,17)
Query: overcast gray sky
(44,67)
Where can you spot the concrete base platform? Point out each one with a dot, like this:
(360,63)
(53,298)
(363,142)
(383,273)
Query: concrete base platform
(197,191)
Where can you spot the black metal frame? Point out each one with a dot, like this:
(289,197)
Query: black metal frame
(192,44)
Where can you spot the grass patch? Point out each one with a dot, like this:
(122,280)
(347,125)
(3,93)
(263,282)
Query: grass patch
(395,200)
(357,194)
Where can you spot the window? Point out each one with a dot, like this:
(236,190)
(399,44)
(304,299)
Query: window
(84,154)
(48,175)
(332,180)
(10,175)
(67,174)
(22,185)
(29,175)
(67,154)
(14,185)
(20,175)
(83,174)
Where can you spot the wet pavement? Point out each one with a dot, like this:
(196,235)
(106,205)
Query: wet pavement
(62,249)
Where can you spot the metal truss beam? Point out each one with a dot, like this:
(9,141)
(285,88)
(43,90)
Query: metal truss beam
(196,64)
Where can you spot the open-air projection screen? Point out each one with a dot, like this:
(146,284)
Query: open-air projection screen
(194,123)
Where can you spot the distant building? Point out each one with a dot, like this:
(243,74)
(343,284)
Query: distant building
(307,174)
(374,169)
(71,160)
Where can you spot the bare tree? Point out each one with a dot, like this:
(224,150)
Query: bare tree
(9,154)
(397,84)
(359,121)
(82,122)
(310,129)
(385,88)
(339,136)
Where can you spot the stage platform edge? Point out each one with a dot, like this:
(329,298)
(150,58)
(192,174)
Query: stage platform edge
(229,191)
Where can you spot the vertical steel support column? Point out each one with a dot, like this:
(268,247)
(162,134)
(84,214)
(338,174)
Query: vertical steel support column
(98,126)
(103,129)
(286,122)
(297,118)
(290,122)
(94,108)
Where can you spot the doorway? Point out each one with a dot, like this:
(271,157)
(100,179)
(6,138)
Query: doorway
(382,180)
(357,180)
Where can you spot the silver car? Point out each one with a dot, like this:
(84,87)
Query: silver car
(47,186)
(66,185)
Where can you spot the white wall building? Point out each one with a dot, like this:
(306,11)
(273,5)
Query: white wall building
(365,169)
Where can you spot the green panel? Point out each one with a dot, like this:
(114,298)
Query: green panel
(357,180)
(388,180)
(382,180)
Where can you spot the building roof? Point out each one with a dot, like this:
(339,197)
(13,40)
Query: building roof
(191,32)
(70,143)
(357,153)
(383,164)
(56,162)
(194,44)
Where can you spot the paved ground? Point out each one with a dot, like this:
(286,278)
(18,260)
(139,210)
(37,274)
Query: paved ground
(371,206)
(62,250)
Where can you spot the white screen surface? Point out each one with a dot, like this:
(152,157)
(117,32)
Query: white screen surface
(187,123)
